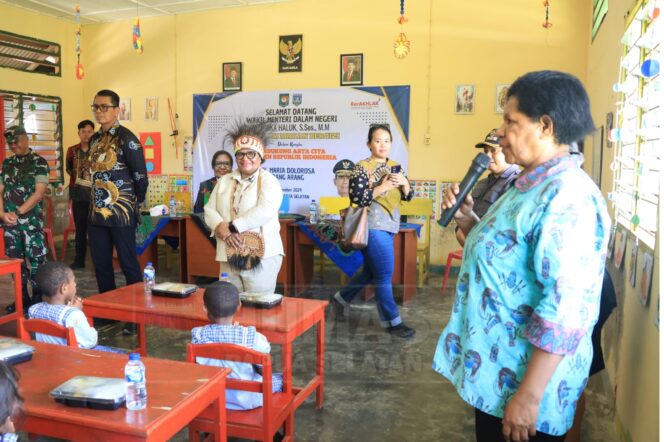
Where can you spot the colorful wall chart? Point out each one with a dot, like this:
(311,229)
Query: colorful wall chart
(151,142)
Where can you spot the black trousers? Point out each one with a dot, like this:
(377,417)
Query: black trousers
(102,241)
(489,428)
(80,210)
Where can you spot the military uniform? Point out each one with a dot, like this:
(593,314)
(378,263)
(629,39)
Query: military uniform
(119,185)
(25,240)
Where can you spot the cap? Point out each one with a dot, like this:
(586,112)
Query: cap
(491,140)
(343,167)
(11,134)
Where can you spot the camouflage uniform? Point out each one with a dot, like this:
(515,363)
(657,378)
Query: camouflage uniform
(25,240)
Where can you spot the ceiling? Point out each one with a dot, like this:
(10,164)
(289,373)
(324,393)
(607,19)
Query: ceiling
(101,11)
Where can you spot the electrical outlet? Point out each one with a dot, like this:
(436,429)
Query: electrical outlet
(427,139)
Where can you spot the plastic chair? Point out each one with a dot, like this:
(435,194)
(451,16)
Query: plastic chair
(47,328)
(421,207)
(2,244)
(257,424)
(71,228)
(457,254)
(48,225)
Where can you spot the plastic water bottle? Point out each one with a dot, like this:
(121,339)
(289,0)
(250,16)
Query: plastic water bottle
(313,212)
(136,394)
(172,206)
(149,276)
(224,277)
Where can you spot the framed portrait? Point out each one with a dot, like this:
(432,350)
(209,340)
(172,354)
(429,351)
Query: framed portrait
(125,109)
(465,99)
(152,108)
(290,53)
(351,69)
(501,97)
(645,281)
(232,76)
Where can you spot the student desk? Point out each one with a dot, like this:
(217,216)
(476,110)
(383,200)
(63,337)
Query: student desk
(12,266)
(177,393)
(281,325)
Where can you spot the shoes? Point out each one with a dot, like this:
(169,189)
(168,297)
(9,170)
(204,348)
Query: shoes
(338,309)
(77,265)
(401,331)
(129,328)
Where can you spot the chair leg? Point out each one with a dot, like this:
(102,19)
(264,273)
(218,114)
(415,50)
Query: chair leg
(65,236)
(51,245)
(447,272)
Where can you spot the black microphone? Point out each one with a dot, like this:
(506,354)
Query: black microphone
(477,168)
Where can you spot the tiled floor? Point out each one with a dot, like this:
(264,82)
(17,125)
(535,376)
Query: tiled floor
(377,388)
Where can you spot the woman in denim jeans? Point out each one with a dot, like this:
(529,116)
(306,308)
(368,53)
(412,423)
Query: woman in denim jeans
(378,183)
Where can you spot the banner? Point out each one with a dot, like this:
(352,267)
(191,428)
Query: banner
(314,128)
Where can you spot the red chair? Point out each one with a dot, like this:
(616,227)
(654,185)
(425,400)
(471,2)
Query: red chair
(457,254)
(25,326)
(257,424)
(48,225)
(2,244)
(71,228)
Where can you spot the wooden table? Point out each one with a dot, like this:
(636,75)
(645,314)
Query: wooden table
(177,393)
(405,262)
(281,325)
(176,228)
(13,266)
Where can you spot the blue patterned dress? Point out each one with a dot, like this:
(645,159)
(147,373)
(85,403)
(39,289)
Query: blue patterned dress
(531,275)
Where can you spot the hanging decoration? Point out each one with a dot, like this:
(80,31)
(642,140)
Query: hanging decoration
(136,34)
(79,66)
(402,44)
(547,24)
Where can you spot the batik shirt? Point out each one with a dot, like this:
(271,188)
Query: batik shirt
(20,176)
(78,168)
(488,190)
(119,177)
(67,316)
(531,276)
(203,195)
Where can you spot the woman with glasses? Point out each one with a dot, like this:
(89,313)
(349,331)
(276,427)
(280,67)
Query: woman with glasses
(247,200)
(222,163)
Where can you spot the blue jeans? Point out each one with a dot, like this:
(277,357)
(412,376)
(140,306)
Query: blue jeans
(377,269)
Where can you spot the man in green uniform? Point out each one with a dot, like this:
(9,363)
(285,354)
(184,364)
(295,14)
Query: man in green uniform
(23,182)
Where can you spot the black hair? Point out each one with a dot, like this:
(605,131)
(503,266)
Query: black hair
(85,123)
(253,127)
(51,276)
(10,398)
(115,98)
(221,299)
(560,96)
(222,152)
(374,127)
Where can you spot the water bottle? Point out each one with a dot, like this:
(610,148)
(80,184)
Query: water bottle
(313,212)
(224,277)
(172,206)
(136,394)
(149,275)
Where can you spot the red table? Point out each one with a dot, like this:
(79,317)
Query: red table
(281,325)
(13,266)
(177,393)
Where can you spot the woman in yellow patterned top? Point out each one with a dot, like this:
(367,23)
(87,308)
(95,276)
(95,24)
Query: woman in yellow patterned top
(380,184)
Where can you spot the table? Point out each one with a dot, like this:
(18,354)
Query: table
(13,266)
(178,392)
(281,325)
(176,228)
(405,262)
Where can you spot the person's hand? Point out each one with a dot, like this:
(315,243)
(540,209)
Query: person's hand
(9,218)
(387,185)
(520,417)
(75,302)
(222,231)
(449,200)
(398,178)
(234,240)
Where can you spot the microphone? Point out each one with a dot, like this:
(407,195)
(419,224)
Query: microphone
(477,168)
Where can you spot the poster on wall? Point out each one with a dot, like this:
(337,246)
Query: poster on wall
(187,156)
(632,262)
(290,53)
(501,97)
(151,142)
(151,108)
(465,99)
(125,109)
(314,128)
(619,248)
(645,280)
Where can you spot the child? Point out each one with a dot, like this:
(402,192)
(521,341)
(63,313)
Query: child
(222,301)
(58,284)
(11,402)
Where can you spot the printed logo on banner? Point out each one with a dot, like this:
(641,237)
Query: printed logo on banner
(283,99)
(297,99)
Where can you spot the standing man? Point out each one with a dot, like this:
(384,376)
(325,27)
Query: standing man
(80,183)
(23,182)
(119,185)
(342,172)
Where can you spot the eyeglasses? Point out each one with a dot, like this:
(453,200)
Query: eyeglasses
(343,177)
(222,164)
(250,154)
(101,107)
(492,149)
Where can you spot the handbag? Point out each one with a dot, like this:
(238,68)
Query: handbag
(354,228)
(248,256)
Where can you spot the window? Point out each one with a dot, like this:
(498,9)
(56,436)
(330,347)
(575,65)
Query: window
(41,116)
(640,118)
(29,54)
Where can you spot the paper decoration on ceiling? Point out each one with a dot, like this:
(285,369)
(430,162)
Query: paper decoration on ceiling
(402,44)
(79,66)
(547,24)
(650,68)
(136,36)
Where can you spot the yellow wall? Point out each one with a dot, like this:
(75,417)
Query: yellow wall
(630,338)
(20,21)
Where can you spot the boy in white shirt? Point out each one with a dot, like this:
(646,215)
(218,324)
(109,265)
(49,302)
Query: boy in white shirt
(221,301)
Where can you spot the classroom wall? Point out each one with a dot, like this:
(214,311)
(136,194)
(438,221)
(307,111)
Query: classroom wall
(630,337)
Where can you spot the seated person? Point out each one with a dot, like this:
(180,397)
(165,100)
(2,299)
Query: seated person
(342,171)
(221,301)
(222,163)
(11,402)
(62,306)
